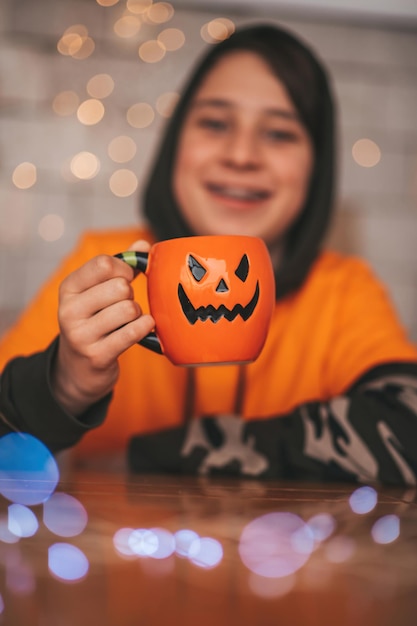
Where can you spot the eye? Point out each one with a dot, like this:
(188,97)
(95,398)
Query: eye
(196,269)
(213,124)
(276,135)
(242,270)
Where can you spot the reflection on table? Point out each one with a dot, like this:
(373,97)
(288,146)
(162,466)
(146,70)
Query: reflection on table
(103,548)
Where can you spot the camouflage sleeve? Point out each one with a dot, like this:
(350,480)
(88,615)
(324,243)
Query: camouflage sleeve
(367,435)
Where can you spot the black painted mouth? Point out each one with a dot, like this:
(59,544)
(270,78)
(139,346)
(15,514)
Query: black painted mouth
(210,312)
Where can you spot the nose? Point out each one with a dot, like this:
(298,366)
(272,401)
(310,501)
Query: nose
(241,150)
(222,287)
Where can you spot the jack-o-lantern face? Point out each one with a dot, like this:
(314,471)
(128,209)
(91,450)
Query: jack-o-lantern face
(211,297)
(213,292)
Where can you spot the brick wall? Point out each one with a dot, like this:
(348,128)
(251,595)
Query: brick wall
(374,69)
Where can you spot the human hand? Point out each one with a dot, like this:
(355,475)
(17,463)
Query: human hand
(98,320)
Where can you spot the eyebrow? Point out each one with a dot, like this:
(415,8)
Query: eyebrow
(226,104)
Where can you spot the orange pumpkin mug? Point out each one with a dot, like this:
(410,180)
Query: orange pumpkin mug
(211,296)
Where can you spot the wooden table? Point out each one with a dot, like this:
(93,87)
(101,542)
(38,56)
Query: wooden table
(344,576)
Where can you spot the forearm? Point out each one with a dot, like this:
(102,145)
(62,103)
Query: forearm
(368,435)
(27,404)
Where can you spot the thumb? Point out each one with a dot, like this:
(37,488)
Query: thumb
(140,245)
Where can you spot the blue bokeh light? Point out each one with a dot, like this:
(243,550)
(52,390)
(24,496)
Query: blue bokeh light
(386,529)
(363,500)
(67,562)
(22,522)
(28,472)
(64,515)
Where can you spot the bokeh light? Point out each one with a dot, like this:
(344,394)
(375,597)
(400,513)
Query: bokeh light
(217,30)
(67,562)
(28,471)
(140,115)
(143,542)
(100,86)
(22,521)
(269,588)
(151,51)
(166,102)
(64,515)
(363,500)
(166,543)
(76,43)
(5,535)
(386,529)
(85,165)
(159,12)
(183,540)
(24,175)
(339,549)
(276,544)
(205,552)
(51,227)
(322,526)
(107,3)
(138,6)
(123,183)
(171,39)
(122,149)
(121,542)
(127,26)
(366,152)
(65,103)
(90,112)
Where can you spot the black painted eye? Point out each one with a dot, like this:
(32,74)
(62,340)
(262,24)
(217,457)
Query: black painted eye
(196,269)
(243,268)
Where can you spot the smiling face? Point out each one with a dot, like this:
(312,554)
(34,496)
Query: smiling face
(244,158)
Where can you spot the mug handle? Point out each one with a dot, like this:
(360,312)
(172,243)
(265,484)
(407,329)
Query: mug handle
(139,262)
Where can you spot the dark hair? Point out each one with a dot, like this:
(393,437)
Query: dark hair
(308,86)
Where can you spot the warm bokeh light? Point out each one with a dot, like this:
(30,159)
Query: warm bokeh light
(107,3)
(75,42)
(65,103)
(217,30)
(122,149)
(51,227)
(138,6)
(70,43)
(151,51)
(100,86)
(85,165)
(127,26)
(90,112)
(166,102)
(160,12)
(366,153)
(86,49)
(140,115)
(123,183)
(24,175)
(171,39)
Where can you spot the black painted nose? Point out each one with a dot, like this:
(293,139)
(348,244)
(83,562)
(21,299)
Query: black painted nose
(222,287)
